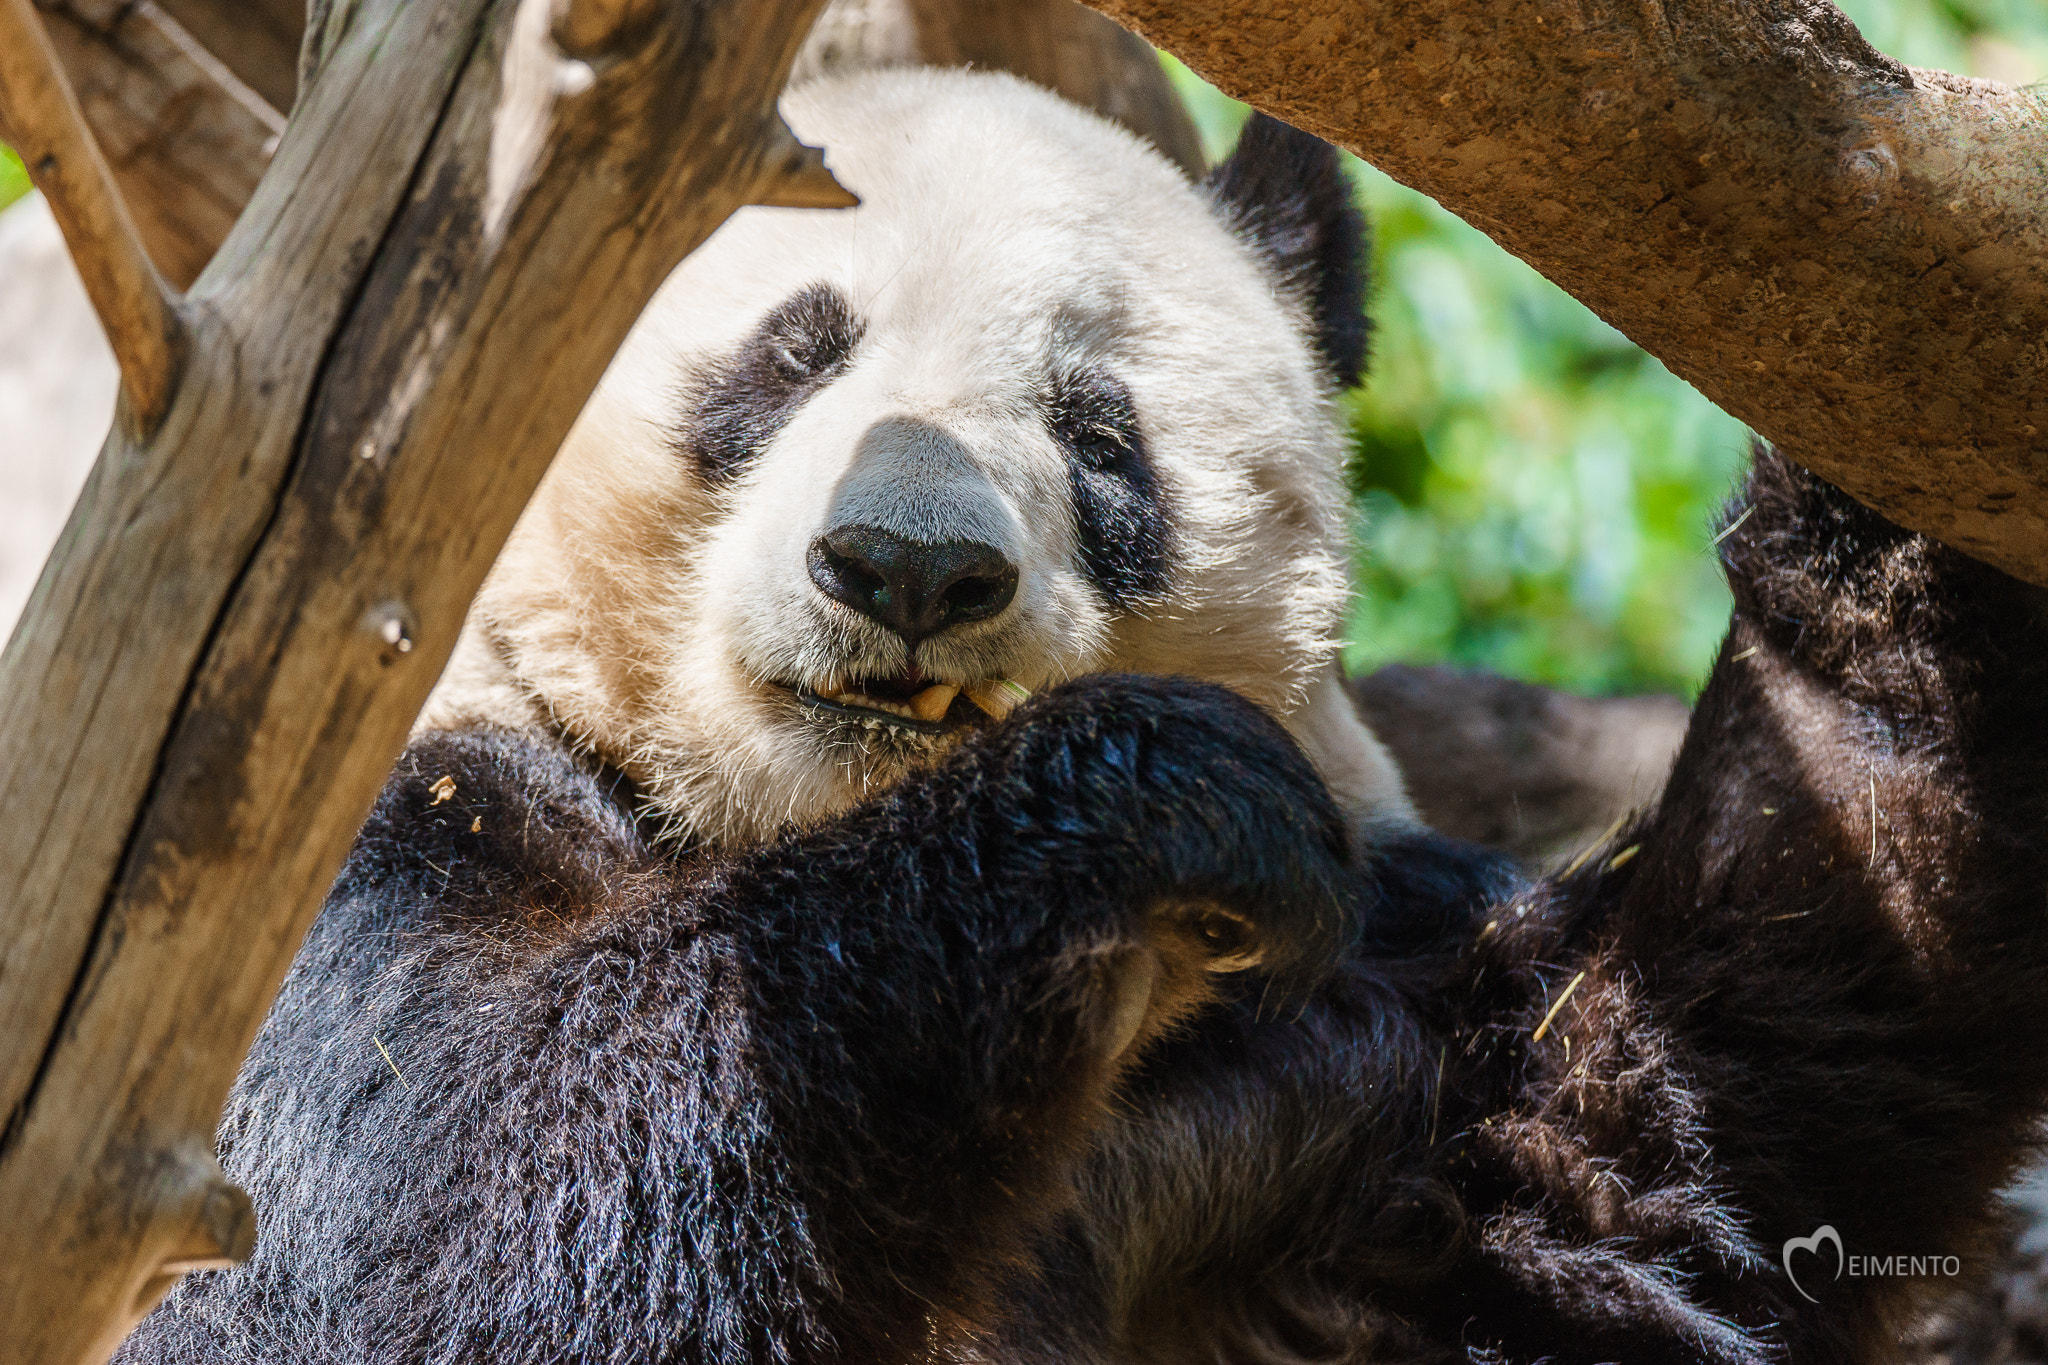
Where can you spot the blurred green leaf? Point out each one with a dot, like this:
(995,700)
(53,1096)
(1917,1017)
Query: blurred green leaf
(13,177)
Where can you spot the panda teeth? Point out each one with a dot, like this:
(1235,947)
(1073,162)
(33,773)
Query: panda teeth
(998,697)
(849,697)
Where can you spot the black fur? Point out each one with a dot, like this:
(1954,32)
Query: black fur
(1767,1030)
(1121,519)
(796,1105)
(743,401)
(842,1098)
(1285,192)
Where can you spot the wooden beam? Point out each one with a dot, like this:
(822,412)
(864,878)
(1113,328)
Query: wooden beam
(47,129)
(248,607)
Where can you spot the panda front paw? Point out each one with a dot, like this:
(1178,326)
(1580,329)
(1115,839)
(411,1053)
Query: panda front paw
(1059,890)
(1178,799)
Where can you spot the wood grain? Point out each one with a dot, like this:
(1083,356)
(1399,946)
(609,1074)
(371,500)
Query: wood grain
(48,130)
(203,697)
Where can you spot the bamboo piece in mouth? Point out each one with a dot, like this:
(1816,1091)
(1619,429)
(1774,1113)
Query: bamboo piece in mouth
(931,703)
(998,696)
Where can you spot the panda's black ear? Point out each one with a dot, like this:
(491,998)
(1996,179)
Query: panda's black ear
(1285,192)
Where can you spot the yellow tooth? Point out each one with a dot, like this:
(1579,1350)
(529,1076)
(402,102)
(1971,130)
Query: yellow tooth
(931,703)
(998,696)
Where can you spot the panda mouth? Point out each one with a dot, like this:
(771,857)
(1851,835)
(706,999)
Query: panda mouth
(910,701)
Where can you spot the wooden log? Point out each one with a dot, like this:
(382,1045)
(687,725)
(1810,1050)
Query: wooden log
(186,139)
(1847,254)
(47,128)
(467,212)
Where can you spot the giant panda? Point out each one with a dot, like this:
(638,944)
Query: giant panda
(887,876)
(1037,409)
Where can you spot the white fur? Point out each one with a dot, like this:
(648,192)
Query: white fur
(1002,233)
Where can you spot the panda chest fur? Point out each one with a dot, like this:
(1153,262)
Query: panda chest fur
(861,480)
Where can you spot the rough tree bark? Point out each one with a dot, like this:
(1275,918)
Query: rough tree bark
(184,98)
(467,211)
(1849,255)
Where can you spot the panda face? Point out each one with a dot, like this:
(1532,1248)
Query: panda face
(1036,409)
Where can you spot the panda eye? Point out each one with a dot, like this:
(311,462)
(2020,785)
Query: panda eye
(1091,416)
(802,355)
(1097,444)
(796,360)
(809,335)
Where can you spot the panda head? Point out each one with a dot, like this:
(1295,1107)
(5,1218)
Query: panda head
(1038,407)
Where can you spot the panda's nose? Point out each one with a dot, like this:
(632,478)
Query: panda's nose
(916,588)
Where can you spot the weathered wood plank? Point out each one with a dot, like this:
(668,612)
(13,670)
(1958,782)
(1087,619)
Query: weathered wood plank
(203,698)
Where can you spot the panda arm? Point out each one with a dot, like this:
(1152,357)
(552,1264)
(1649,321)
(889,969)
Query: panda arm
(1810,987)
(535,1091)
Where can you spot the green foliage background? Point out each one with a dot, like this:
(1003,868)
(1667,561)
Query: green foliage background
(1534,491)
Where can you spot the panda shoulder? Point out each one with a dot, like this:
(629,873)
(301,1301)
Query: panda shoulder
(485,820)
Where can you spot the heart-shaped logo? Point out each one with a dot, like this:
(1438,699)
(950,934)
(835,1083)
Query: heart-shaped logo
(1824,1233)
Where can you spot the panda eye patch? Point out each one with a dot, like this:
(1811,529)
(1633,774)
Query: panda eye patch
(1121,517)
(746,398)
(812,334)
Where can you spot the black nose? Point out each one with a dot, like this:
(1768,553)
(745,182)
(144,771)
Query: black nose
(916,588)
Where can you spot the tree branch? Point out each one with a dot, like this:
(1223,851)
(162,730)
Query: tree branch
(46,127)
(1538,772)
(1850,256)
(470,206)
(186,139)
